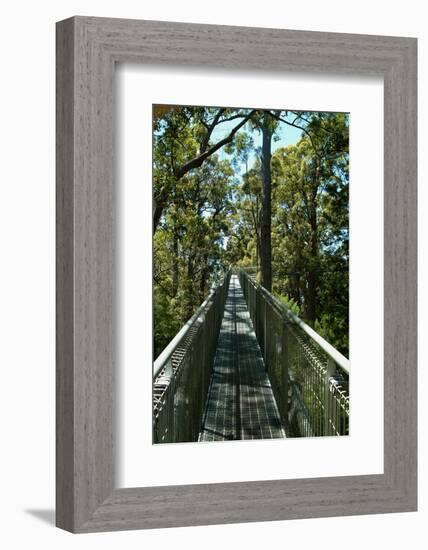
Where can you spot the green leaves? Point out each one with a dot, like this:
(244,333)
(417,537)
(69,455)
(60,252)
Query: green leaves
(207,186)
(310,225)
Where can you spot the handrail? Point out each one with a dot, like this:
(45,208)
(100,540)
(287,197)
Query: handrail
(182,372)
(309,377)
(165,355)
(331,351)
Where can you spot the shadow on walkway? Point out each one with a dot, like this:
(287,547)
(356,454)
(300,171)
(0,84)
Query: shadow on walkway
(240,403)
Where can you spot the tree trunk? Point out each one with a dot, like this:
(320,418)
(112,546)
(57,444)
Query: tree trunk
(311,294)
(311,297)
(204,278)
(295,291)
(255,215)
(266,208)
(189,302)
(175,264)
(157,214)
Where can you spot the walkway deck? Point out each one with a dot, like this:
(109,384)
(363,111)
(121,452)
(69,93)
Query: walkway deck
(240,403)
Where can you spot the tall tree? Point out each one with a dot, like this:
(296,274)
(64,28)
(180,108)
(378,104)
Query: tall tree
(266,206)
(188,246)
(220,201)
(183,141)
(310,218)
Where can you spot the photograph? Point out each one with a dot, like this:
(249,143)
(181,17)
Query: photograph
(250,273)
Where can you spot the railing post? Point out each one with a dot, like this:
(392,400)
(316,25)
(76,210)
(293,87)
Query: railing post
(265,329)
(284,357)
(169,375)
(168,372)
(331,367)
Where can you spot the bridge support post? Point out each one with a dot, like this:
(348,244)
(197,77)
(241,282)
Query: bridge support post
(327,397)
(285,359)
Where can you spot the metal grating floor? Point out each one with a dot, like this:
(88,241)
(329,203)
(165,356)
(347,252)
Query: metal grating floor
(240,403)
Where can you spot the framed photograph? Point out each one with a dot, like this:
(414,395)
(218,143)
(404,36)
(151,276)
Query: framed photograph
(241,346)
(233,359)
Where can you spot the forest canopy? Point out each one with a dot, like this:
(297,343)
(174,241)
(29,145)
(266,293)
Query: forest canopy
(267,189)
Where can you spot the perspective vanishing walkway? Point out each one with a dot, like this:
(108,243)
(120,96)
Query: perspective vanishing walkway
(240,403)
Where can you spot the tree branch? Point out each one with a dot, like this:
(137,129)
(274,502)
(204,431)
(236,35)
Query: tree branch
(299,115)
(197,161)
(210,129)
(276,117)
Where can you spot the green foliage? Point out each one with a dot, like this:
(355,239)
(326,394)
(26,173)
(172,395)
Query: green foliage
(188,246)
(208,209)
(310,225)
(291,304)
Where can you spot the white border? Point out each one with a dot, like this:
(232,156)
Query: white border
(140,462)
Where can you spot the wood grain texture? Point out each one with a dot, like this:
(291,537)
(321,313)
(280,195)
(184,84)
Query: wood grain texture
(64,276)
(87,49)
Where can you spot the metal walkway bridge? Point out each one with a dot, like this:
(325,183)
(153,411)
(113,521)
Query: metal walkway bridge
(245,367)
(240,404)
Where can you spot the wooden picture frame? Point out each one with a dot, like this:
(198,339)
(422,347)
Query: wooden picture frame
(87,50)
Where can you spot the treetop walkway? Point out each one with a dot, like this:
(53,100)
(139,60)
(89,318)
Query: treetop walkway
(240,403)
(245,367)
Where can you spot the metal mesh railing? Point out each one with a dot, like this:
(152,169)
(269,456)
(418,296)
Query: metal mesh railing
(309,377)
(181,374)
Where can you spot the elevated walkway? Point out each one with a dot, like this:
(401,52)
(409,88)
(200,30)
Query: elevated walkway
(240,403)
(246,367)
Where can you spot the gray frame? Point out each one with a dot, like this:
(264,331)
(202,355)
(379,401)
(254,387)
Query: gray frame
(87,49)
